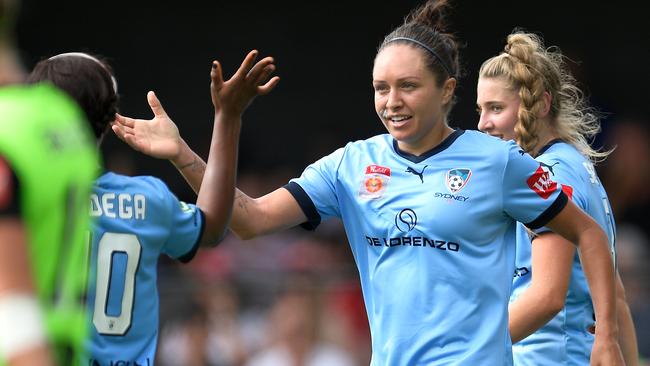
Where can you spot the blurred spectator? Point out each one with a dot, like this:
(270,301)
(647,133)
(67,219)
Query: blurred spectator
(209,330)
(626,172)
(295,330)
(632,257)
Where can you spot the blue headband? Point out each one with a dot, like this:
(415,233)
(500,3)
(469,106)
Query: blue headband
(444,66)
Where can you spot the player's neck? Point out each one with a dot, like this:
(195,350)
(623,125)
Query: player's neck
(545,136)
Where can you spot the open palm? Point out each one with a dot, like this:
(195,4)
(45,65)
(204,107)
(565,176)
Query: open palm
(157,137)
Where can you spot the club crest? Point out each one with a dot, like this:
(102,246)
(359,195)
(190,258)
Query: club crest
(374,182)
(457,179)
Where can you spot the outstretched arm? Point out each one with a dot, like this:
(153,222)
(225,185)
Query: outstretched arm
(576,226)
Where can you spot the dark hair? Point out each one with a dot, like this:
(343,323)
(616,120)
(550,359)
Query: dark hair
(426,25)
(88,80)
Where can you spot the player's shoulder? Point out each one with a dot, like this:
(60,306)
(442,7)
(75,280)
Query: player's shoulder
(485,141)
(563,157)
(142,184)
(477,146)
(562,151)
(376,143)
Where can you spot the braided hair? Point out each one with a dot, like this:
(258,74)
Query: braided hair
(530,70)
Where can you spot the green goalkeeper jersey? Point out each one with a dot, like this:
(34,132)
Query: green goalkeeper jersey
(48,143)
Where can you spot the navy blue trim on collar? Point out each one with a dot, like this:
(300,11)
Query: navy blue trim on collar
(307,205)
(548,146)
(550,213)
(440,147)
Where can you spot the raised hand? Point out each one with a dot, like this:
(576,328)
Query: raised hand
(157,137)
(250,80)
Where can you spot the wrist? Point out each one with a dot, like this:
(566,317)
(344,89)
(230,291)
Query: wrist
(606,330)
(230,120)
(184,157)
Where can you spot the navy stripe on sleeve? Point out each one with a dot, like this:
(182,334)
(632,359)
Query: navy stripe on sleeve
(307,205)
(546,216)
(190,255)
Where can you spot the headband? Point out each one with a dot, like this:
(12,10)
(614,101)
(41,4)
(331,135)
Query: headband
(89,57)
(444,66)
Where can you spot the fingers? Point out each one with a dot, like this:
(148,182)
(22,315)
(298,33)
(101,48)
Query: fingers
(216,75)
(255,74)
(119,130)
(246,65)
(124,121)
(262,70)
(266,88)
(155,105)
(126,134)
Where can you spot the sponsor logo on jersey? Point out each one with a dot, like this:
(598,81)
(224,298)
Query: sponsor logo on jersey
(456,179)
(549,167)
(415,172)
(541,183)
(375,182)
(406,220)
(413,241)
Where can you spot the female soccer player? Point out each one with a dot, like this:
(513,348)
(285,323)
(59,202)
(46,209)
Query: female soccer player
(138,218)
(527,94)
(429,211)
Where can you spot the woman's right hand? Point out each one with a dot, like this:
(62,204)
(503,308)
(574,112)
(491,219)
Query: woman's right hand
(157,137)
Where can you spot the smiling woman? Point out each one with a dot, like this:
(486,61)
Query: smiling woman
(409,99)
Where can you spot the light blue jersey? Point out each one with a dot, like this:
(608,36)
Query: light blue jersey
(565,339)
(136,220)
(433,240)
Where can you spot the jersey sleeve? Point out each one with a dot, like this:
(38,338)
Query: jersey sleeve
(568,181)
(9,191)
(315,189)
(530,195)
(185,227)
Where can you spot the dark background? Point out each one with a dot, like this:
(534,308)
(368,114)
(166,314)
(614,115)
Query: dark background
(324,53)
